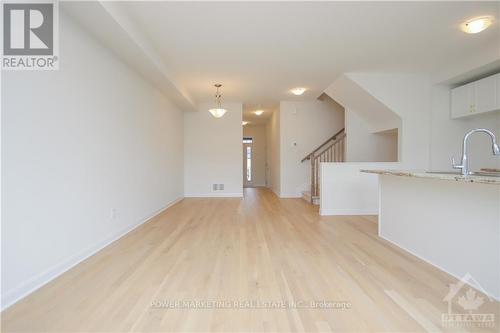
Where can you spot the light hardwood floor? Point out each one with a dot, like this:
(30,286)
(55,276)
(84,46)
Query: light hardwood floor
(260,248)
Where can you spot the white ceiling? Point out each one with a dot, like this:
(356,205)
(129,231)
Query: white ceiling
(260,50)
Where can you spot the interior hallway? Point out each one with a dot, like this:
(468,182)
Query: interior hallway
(259,248)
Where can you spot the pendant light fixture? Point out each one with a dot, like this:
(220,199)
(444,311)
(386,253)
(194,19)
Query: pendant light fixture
(218,111)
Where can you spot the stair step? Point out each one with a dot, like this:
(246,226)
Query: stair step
(306,195)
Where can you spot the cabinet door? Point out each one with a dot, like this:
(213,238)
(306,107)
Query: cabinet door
(498,91)
(485,94)
(462,101)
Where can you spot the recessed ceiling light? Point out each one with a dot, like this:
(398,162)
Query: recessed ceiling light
(244,123)
(477,24)
(259,112)
(298,91)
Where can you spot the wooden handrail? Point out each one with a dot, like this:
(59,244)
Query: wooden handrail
(322,145)
(330,151)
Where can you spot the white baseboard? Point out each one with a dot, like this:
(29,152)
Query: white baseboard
(256,185)
(290,195)
(440,268)
(336,211)
(27,287)
(214,195)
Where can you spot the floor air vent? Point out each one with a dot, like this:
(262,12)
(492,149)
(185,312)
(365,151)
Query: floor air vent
(217,187)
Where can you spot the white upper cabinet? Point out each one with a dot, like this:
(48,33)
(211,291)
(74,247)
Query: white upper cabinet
(476,97)
(498,89)
(462,100)
(486,94)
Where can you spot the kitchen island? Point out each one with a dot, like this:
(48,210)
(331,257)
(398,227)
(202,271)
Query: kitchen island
(449,220)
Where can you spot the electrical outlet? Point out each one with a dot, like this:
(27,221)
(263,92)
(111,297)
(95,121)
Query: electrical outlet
(112,213)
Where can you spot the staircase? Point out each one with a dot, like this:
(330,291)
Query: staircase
(306,195)
(332,150)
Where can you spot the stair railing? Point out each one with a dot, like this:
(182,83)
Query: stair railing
(332,150)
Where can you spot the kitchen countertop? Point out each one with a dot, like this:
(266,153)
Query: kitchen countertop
(491,180)
(490,170)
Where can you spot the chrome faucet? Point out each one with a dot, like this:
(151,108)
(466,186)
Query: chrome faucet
(465,161)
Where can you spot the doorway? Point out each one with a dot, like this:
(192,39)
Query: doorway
(247,162)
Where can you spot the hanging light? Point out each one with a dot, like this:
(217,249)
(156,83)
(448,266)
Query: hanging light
(218,111)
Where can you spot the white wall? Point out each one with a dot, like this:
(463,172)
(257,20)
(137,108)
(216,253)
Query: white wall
(409,96)
(351,95)
(77,143)
(428,138)
(259,152)
(344,190)
(447,134)
(303,127)
(213,151)
(273,152)
(364,146)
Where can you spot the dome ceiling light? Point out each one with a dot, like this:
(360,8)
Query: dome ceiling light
(298,91)
(478,24)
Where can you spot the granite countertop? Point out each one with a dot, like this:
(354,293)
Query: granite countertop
(490,170)
(492,180)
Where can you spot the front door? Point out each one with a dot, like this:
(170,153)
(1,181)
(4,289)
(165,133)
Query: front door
(247,162)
